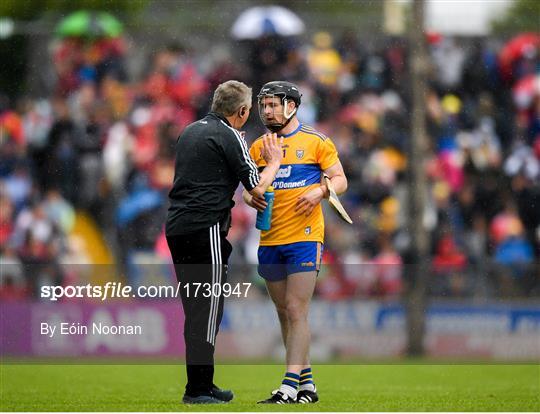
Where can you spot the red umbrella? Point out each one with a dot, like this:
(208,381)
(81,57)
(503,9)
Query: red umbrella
(516,48)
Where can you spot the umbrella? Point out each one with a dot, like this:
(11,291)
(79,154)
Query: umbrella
(267,20)
(89,24)
(516,48)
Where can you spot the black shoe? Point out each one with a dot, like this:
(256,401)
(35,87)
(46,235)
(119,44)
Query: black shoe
(278,398)
(307,397)
(223,395)
(201,399)
(215,396)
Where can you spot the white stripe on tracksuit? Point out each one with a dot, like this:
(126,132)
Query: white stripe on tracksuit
(254,172)
(215,250)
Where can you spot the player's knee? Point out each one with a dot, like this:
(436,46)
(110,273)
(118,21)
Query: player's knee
(282,311)
(296,312)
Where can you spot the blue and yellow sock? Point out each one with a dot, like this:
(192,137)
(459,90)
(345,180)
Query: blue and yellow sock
(289,385)
(306,380)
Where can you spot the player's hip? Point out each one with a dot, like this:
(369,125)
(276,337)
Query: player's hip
(279,261)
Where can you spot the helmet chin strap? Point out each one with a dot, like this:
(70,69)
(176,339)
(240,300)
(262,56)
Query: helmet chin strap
(275,127)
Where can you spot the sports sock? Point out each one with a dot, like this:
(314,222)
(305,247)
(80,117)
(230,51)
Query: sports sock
(306,380)
(289,385)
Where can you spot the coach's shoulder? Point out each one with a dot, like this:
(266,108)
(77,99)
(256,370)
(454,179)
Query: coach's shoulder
(228,131)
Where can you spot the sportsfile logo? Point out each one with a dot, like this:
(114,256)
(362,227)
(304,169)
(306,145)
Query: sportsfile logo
(284,172)
(118,290)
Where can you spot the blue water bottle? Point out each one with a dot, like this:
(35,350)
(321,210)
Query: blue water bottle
(264,218)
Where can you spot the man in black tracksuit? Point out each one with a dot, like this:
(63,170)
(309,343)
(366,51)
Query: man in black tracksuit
(211,159)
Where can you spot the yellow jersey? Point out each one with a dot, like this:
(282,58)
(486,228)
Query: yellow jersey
(306,153)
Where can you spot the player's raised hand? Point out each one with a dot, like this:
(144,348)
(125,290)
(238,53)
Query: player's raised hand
(307,202)
(272,152)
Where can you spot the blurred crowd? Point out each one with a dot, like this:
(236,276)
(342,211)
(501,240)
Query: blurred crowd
(101,146)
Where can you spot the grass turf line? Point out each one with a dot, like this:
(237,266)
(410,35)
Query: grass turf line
(341,388)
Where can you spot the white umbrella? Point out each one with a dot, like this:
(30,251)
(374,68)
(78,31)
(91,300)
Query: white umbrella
(267,20)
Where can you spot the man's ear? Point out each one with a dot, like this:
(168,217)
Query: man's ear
(292,105)
(243,111)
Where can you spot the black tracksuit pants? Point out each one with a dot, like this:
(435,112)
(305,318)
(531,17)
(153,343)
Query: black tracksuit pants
(200,258)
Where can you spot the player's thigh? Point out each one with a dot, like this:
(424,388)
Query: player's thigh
(303,261)
(278,292)
(300,288)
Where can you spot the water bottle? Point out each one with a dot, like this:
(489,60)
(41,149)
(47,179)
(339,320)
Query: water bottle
(264,218)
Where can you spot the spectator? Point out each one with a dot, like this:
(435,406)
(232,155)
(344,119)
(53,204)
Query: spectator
(82,147)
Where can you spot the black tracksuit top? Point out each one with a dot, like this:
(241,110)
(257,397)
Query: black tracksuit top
(211,159)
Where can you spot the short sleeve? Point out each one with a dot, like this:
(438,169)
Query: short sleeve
(327,154)
(255,151)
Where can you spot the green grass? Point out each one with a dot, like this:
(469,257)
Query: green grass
(400,387)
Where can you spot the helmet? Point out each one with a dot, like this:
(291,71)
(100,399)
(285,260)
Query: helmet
(285,91)
(281,88)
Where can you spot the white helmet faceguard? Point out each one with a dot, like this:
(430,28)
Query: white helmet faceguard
(273,125)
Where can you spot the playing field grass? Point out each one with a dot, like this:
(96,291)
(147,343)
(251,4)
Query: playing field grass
(403,387)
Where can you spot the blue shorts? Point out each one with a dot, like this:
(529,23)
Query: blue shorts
(277,262)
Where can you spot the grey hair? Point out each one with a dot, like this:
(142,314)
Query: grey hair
(230,96)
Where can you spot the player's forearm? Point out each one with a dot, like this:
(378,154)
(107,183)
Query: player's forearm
(266,178)
(340,183)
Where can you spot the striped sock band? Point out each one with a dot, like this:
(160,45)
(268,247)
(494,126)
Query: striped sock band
(291,379)
(289,385)
(306,380)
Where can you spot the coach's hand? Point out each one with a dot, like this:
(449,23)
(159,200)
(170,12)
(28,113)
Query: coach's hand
(272,152)
(306,203)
